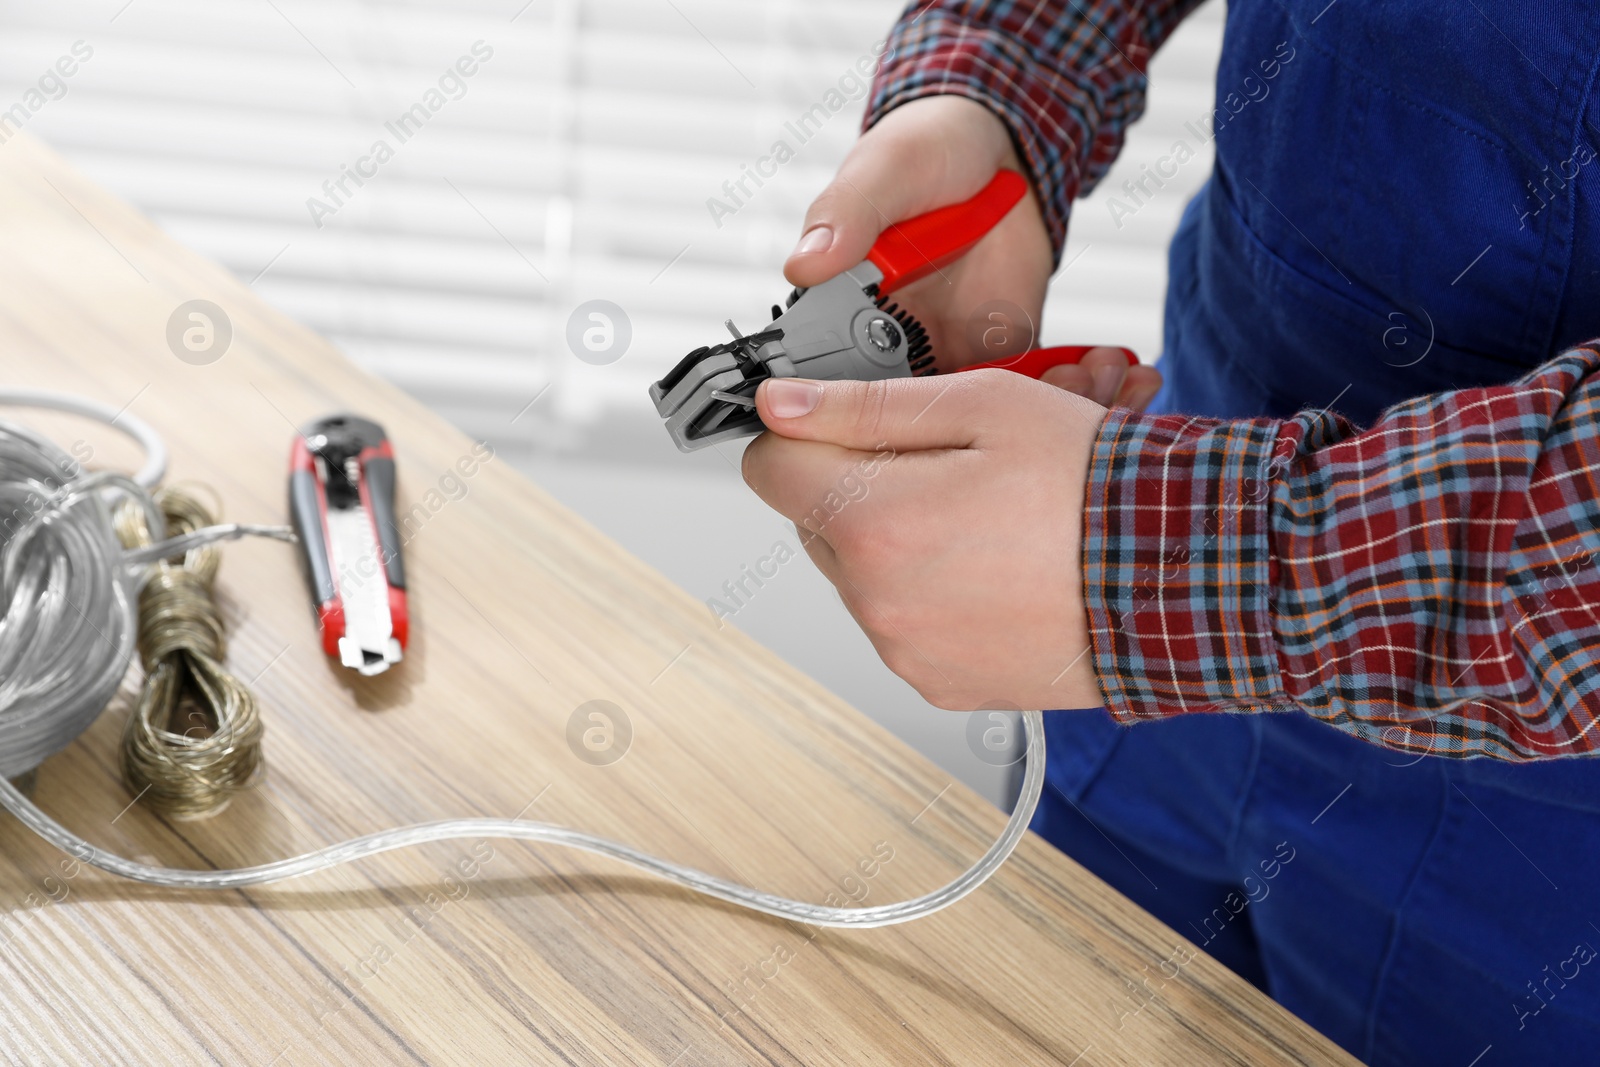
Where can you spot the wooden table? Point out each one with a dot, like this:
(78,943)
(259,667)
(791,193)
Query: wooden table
(496,952)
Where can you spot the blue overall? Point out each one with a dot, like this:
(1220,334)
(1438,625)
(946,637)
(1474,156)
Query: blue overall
(1408,203)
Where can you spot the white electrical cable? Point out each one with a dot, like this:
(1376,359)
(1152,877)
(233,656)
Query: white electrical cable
(66,636)
(155,449)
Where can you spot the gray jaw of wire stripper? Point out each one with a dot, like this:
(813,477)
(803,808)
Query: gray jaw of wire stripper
(832,331)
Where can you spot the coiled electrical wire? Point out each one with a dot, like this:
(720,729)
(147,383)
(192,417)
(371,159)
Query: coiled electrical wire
(67,629)
(66,636)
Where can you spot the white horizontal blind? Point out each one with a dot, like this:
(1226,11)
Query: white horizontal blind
(575,164)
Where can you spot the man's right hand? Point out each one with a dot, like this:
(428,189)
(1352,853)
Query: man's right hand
(925,154)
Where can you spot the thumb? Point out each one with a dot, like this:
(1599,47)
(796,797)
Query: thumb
(924,154)
(845,220)
(903,414)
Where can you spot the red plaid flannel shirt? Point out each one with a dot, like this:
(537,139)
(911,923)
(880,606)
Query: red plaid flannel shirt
(1429,583)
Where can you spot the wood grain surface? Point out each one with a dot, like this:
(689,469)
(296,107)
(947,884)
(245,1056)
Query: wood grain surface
(496,952)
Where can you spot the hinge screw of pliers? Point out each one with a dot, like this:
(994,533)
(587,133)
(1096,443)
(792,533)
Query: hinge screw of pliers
(883,335)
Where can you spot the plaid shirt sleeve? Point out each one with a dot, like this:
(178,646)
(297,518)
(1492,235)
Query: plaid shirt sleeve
(1429,584)
(1067,77)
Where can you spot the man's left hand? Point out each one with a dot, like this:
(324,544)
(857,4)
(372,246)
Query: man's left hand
(948,512)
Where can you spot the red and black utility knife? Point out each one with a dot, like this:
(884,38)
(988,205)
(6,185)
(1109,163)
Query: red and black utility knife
(341,497)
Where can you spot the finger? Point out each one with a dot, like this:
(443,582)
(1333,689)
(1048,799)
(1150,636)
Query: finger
(823,557)
(812,484)
(1107,368)
(922,155)
(1103,375)
(842,223)
(1069,377)
(821,553)
(1139,387)
(1107,383)
(899,414)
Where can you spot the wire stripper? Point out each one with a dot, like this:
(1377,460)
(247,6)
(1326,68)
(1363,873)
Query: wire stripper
(844,328)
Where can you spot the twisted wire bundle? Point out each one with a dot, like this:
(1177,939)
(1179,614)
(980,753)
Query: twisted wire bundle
(194,737)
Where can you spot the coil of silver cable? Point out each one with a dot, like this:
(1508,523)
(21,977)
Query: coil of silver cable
(66,634)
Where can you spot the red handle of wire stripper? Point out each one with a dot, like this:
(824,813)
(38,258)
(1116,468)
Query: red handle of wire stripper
(1035,362)
(919,246)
